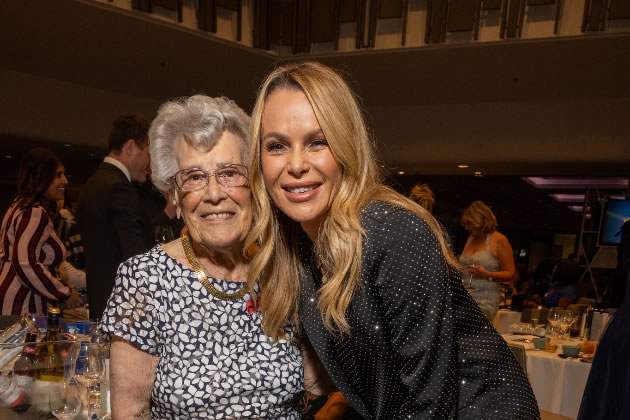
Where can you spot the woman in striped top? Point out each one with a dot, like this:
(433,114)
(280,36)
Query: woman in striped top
(31,251)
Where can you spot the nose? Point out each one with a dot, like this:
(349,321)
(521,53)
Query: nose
(214,191)
(298,163)
(64,180)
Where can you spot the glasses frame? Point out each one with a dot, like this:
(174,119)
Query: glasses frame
(210,174)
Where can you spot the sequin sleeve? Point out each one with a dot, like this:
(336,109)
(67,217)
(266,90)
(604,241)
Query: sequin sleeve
(411,278)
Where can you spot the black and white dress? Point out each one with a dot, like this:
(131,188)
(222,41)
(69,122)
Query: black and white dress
(215,361)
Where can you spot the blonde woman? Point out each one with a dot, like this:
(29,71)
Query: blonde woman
(365,271)
(423,195)
(487,258)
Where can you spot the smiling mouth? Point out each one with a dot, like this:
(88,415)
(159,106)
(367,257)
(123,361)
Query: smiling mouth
(297,190)
(217,217)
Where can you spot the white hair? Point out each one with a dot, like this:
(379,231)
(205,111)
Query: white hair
(200,121)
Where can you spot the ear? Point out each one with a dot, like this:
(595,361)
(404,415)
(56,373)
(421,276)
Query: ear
(128,147)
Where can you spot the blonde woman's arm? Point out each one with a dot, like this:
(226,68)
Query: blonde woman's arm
(132,374)
(503,249)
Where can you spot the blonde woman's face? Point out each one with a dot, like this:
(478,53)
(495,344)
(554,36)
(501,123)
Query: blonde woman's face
(299,170)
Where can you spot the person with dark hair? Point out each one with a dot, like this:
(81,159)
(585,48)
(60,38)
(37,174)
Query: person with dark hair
(562,292)
(31,251)
(112,223)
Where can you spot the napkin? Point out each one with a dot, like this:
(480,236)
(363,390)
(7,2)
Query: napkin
(521,339)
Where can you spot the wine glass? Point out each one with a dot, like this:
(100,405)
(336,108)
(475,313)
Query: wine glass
(555,317)
(89,370)
(569,317)
(64,399)
(565,321)
(535,314)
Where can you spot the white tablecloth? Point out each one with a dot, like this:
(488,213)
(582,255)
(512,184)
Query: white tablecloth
(504,318)
(558,383)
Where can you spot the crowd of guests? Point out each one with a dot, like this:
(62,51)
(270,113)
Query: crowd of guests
(290,280)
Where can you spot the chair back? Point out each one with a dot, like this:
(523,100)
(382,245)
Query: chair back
(519,353)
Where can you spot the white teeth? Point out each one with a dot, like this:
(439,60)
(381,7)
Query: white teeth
(217,216)
(301,189)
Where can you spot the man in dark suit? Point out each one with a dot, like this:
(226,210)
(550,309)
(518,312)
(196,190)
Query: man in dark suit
(111,220)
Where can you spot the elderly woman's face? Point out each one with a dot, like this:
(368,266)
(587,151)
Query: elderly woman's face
(299,169)
(218,217)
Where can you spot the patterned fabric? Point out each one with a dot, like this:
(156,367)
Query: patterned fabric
(68,232)
(485,292)
(215,362)
(419,347)
(29,255)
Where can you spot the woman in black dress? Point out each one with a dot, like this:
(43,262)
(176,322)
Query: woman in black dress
(365,271)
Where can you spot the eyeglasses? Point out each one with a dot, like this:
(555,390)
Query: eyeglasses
(193,179)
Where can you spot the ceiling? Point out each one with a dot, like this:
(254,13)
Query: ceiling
(73,53)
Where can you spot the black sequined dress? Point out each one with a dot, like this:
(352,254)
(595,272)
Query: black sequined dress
(419,347)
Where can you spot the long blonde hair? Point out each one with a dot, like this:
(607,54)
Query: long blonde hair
(277,265)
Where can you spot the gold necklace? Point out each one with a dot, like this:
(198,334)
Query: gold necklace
(203,279)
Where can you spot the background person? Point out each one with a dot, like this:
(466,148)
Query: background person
(112,223)
(187,339)
(562,292)
(423,195)
(31,251)
(487,258)
(366,271)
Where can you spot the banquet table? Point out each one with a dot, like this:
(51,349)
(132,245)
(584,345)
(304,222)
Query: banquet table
(558,383)
(504,318)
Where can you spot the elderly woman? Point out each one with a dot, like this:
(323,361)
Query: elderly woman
(365,270)
(31,252)
(187,337)
(487,257)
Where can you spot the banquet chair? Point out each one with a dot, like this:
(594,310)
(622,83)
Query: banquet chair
(519,354)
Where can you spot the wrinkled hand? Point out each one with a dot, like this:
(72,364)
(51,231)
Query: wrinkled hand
(74,301)
(478,271)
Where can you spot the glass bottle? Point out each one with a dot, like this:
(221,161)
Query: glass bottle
(25,364)
(50,361)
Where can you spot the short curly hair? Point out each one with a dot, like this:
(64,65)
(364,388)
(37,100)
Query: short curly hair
(200,121)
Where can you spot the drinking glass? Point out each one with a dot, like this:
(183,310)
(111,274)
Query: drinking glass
(555,317)
(534,318)
(64,399)
(565,322)
(569,317)
(90,368)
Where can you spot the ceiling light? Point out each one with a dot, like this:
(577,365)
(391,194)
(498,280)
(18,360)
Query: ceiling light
(478,173)
(462,166)
(9,156)
(401,172)
(68,145)
(577,183)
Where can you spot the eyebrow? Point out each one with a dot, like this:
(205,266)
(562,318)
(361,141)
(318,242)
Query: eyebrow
(283,137)
(220,165)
